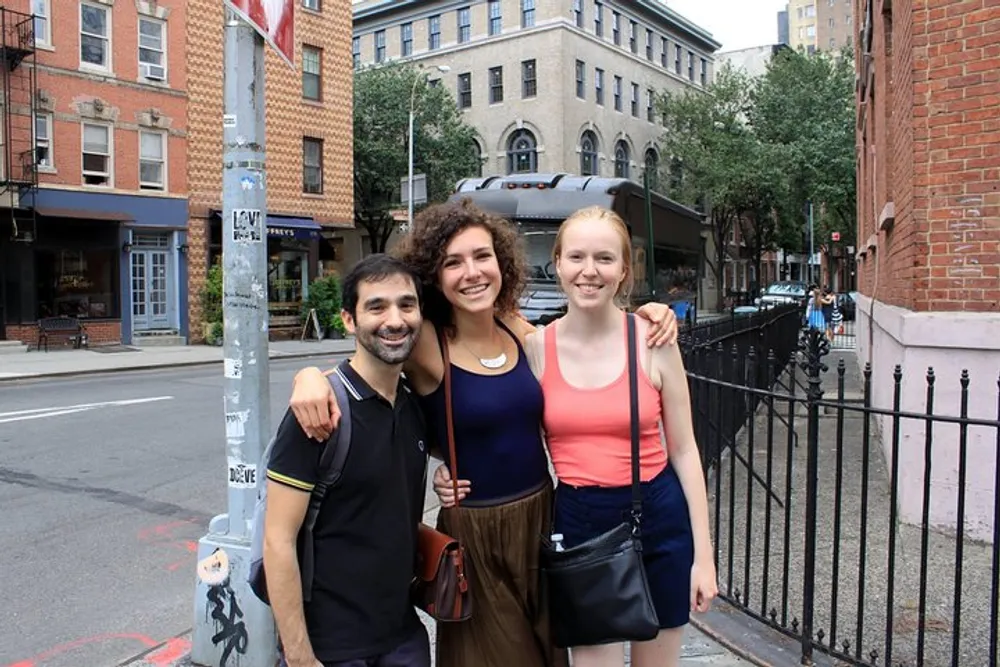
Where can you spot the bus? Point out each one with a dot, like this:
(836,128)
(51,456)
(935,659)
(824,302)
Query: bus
(668,245)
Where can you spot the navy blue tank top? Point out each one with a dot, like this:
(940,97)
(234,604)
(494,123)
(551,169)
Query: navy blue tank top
(498,439)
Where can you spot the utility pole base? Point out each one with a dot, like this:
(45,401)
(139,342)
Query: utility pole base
(232,628)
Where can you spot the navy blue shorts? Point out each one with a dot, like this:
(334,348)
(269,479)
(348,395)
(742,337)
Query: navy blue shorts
(583,513)
(414,652)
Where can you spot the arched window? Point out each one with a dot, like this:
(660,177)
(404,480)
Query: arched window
(522,153)
(652,165)
(477,153)
(588,154)
(621,159)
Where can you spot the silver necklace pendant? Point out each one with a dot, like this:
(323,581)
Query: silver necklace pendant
(495,362)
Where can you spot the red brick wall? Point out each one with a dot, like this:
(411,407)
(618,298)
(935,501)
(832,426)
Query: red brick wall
(68,91)
(930,143)
(99,331)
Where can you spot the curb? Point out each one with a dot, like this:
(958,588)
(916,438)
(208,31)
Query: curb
(174,652)
(152,367)
(752,640)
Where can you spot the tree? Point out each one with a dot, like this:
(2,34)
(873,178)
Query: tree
(723,163)
(805,103)
(444,145)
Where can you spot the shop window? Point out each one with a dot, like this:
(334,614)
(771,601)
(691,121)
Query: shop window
(77,283)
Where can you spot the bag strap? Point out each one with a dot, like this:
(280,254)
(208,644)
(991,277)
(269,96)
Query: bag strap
(633,396)
(450,424)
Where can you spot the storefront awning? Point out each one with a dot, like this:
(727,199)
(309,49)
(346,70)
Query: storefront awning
(83,214)
(298,228)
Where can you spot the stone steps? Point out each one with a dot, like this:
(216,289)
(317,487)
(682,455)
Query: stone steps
(164,338)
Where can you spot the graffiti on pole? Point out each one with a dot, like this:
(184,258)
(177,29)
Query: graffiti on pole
(231,631)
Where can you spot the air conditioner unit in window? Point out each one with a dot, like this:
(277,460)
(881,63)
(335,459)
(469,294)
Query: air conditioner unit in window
(153,72)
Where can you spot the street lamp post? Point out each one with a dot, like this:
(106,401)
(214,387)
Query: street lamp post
(409,181)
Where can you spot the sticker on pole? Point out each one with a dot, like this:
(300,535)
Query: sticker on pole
(247,226)
(229,120)
(242,475)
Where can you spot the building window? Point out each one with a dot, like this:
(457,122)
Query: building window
(635,100)
(527,13)
(477,153)
(633,39)
(704,72)
(811,31)
(43,140)
(152,161)
(691,65)
(677,58)
(529,78)
(599,18)
(832,22)
(621,159)
(43,22)
(312,166)
(312,77)
(616,31)
(406,39)
(465,90)
(588,154)
(649,44)
(581,79)
(522,153)
(312,4)
(464,25)
(96,154)
(79,283)
(599,85)
(152,47)
(652,166)
(810,11)
(650,104)
(578,13)
(434,32)
(380,46)
(496,17)
(833,43)
(664,52)
(496,85)
(95,36)
(356,49)
(617,92)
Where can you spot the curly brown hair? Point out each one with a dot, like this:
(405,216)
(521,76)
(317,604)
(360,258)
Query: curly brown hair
(434,228)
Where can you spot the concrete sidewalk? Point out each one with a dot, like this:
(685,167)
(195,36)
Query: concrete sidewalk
(111,358)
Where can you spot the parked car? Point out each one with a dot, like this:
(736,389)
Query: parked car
(785,291)
(847,306)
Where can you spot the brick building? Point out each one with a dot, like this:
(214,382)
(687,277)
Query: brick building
(928,152)
(93,167)
(309,145)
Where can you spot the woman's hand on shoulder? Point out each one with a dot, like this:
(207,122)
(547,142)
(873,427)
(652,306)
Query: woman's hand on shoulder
(314,404)
(663,323)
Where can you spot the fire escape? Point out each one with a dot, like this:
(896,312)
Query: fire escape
(18,157)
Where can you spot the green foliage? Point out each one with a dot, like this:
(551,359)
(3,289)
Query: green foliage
(211,295)
(325,297)
(444,145)
(215,334)
(757,150)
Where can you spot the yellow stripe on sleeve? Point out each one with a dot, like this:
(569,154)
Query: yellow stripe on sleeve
(290,481)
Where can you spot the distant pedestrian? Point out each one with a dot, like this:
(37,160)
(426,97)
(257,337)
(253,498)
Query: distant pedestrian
(359,611)
(814,311)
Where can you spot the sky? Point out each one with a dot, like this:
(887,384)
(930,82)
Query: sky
(738,24)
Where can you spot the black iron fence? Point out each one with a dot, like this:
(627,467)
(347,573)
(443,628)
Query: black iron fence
(836,521)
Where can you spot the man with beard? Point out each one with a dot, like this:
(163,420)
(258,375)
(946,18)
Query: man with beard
(359,612)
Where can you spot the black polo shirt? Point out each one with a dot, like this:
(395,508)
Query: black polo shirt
(366,531)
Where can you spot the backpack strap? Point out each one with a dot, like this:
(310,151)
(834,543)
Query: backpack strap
(331,466)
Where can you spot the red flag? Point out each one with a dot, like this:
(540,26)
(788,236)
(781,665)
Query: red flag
(273,19)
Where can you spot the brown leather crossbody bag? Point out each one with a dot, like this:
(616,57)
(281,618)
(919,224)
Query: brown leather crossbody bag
(442,587)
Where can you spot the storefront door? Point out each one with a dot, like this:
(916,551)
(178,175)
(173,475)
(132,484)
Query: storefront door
(151,280)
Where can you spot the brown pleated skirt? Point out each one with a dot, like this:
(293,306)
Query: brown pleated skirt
(510,620)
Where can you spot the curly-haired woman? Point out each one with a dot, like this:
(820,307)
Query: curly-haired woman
(473,269)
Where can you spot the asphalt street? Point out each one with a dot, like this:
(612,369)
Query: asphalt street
(106,484)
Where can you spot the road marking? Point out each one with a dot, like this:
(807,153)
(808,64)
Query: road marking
(43,413)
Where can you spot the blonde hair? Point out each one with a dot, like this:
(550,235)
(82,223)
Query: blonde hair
(601,214)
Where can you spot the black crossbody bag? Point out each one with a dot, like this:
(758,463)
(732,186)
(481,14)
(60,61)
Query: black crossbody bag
(598,592)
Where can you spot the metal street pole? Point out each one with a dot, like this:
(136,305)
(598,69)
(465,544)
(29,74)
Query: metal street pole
(231,626)
(409,199)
